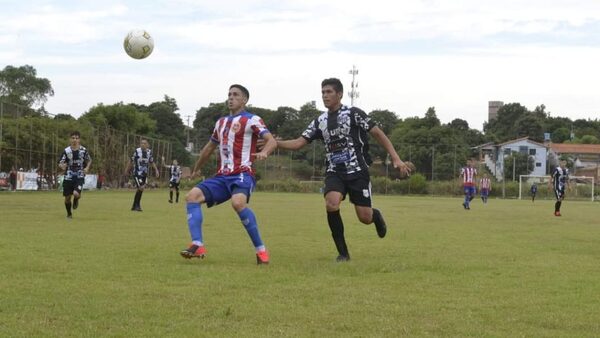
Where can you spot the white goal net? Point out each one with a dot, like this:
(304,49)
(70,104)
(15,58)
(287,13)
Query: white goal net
(579,187)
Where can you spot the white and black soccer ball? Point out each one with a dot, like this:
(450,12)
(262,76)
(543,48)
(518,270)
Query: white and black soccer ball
(138,44)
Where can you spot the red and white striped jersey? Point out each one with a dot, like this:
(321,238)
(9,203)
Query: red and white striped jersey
(468,174)
(485,183)
(236,136)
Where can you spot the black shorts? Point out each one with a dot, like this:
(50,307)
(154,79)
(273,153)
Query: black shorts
(559,193)
(69,186)
(173,184)
(139,181)
(359,188)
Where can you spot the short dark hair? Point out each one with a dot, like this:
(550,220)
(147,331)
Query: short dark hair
(335,83)
(75,133)
(242,88)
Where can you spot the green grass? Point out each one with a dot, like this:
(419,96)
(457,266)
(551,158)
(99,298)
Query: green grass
(508,268)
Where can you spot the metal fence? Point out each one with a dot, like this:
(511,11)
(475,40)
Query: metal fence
(33,142)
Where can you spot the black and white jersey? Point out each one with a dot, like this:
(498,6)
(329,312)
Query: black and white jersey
(141,161)
(344,133)
(559,178)
(175,173)
(76,161)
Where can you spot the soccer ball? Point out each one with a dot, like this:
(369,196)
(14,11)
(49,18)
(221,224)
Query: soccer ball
(138,44)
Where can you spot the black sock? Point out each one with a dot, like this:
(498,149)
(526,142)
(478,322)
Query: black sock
(177,196)
(557,206)
(171,195)
(334,219)
(68,207)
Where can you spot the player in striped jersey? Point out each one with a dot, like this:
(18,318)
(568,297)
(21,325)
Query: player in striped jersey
(560,179)
(344,131)
(174,178)
(469,175)
(75,160)
(235,136)
(485,186)
(141,160)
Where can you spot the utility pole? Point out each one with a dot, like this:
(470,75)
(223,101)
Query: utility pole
(353,93)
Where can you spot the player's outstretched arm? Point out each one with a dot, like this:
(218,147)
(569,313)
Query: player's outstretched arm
(267,149)
(385,142)
(203,157)
(292,144)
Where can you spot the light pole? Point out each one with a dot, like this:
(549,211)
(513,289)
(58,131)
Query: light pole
(353,93)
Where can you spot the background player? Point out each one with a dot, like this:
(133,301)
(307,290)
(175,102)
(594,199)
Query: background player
(235,135)
(560,179)
(468,174)
(75,160)
(533,191)
(174,178)
(485,186)
(140,162)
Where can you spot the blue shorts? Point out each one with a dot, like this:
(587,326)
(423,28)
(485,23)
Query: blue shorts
(485,192)
(220,188)
(470,190)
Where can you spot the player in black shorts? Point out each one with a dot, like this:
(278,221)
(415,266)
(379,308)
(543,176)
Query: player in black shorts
(140,162)
(560,179)
(75,160)
(174,178)
(344,131)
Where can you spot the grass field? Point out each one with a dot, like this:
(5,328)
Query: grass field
(508,268)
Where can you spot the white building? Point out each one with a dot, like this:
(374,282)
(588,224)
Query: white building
(493,155)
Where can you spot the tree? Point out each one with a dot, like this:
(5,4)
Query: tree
(503,127)
(523,165)
(22,86)
(529,125)
(560,135)
(122,117)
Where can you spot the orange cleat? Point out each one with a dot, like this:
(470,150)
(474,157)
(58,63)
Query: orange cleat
(194,251)
(262,257)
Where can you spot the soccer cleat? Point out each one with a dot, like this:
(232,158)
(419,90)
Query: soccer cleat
(262,257)
(136,209)
(194,251)
(557,213)
(170,201)
(342,258)
(75,203)
(379,223)
(69,216)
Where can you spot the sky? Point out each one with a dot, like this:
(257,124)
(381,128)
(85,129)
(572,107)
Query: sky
(454,55)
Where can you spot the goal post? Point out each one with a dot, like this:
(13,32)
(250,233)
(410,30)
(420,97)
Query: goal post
(580,187)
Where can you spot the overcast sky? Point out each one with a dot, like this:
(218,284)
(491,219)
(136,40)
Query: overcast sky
(454,55)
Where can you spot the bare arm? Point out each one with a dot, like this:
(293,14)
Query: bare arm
(87,167)
(268,148)
(385,142)
(292,144)
(203,157)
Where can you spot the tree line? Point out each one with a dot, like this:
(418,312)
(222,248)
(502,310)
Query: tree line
(417,138)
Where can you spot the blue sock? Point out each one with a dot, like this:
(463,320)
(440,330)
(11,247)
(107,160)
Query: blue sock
(194,218)
(249,221)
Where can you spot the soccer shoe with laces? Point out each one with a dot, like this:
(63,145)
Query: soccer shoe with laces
(194,251)
(379,223)
(262,257)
